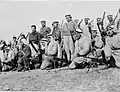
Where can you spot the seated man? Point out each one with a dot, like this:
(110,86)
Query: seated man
(97,43)
(53,51)
(24,55)
(9,57)
(112,47)
(82,48)
(36,61)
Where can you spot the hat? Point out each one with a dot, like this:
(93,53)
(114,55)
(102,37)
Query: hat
(43,21)
(14,37)
(55,22)
(99,18)
(43,40)
(68,15)
(79,31)
(87,18)
(7,47)
(94,30)
(111,27)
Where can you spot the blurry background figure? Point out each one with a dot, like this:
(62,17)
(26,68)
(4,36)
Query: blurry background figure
(14,42)
(24,56)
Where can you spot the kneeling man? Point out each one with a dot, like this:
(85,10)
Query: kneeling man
(82,48)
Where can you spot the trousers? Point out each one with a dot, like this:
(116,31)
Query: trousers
(68,46)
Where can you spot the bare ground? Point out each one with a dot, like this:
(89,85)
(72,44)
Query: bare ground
(64,80)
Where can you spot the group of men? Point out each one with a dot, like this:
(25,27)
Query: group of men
(72,44)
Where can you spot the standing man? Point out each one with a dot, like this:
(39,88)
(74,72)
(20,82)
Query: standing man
(34,41)
(57,32)
(68,29)
(44,30)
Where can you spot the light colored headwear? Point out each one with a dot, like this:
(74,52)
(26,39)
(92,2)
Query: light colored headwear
(78,30)
(44,40)
(24,41)
(111,27)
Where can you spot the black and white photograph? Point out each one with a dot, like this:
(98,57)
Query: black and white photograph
(59,45)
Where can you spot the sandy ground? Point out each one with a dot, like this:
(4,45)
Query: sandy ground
(64,80)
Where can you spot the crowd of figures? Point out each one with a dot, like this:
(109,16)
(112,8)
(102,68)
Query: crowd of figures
(75,43)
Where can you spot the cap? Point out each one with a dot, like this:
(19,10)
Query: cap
(86,18)
(44,40)
(94,30)
(14,37)
(43,21)
(55,22)
(98,18)
(7,47)
(79,31)
(111,27)
(68,15)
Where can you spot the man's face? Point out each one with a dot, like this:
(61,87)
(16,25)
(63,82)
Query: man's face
(110,18)
(99,20)
(43,44)
(43,24)
(14,39)
(55,25)
(110,33)
(33,29)
(86,21)
(68,18)
(76,21)
(78,35)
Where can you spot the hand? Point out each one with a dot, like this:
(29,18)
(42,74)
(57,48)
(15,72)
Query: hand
(38,53)
(78,54)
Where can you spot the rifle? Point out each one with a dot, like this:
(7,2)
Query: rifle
(80,23)
(33,47)
(27,35)
(19,36)
(103,17)
(112,21)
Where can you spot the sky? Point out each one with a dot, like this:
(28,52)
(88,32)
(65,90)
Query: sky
(17,16)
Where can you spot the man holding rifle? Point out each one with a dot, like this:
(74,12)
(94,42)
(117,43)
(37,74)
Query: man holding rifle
(34,41)
(82,48)
(68,29)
